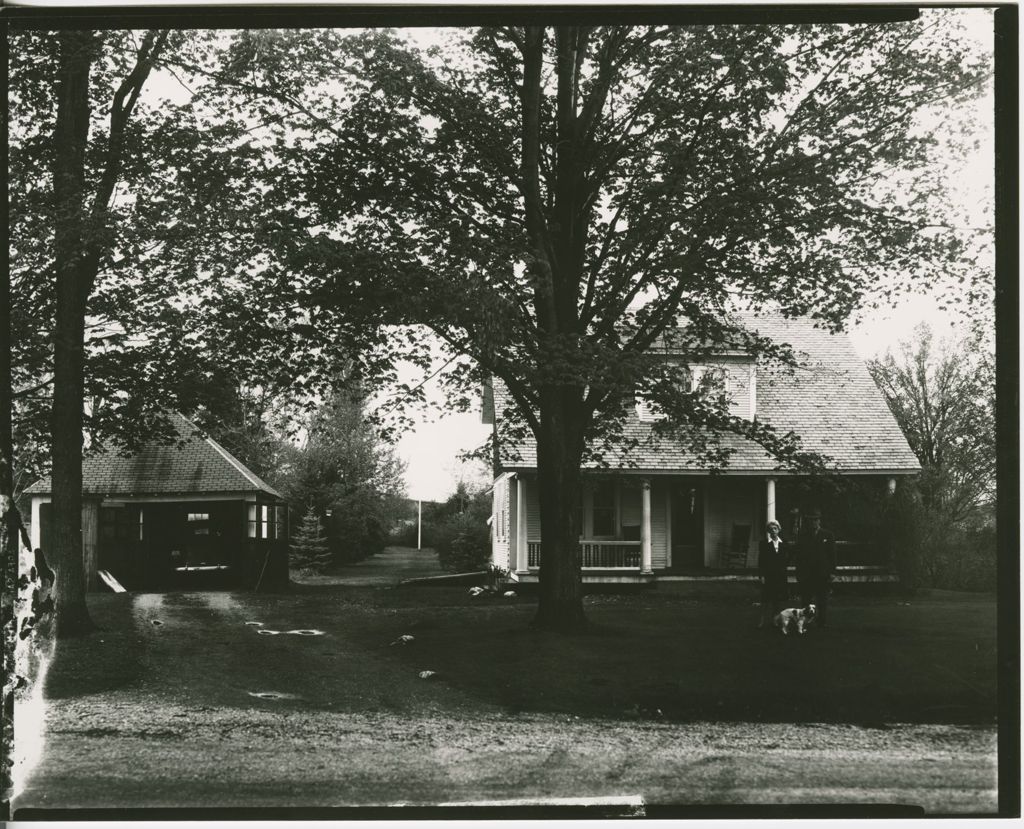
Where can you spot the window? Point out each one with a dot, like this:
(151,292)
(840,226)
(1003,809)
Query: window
(709,379)
(198,523)
(603,509)
(253,521)
(119,523)
(647,410)
(267,521)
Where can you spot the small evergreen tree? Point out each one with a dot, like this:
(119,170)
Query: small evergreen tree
(309,550)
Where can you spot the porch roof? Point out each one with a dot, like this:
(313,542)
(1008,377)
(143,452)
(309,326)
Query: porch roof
(830,401)
(194,464)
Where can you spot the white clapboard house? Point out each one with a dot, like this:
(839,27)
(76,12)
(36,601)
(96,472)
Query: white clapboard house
(656,512)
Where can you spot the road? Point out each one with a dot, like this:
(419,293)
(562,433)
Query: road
(142,754)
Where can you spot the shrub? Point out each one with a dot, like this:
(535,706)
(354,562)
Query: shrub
(309,549)
(463,543)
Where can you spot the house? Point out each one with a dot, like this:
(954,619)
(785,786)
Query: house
(175,515)
(655,511)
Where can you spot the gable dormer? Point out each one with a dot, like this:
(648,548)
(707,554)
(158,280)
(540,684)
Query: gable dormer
(734,375)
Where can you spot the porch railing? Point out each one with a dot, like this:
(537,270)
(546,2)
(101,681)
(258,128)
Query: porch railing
(597,555)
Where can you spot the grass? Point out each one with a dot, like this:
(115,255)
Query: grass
(679,652)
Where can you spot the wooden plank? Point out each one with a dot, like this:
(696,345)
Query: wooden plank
(110,581)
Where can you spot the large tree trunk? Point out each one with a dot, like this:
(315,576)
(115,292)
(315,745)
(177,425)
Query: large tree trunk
(560,603)
(70,136)
(558,244)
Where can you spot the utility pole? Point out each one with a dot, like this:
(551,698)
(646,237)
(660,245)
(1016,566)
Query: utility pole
(419,525)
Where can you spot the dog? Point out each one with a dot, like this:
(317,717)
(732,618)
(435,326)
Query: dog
(794,618)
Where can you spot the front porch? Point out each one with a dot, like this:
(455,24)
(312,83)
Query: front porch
(637,528)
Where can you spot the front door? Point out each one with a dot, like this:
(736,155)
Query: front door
(687,525)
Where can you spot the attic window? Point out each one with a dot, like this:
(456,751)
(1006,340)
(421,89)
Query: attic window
(709,379)
(647,410)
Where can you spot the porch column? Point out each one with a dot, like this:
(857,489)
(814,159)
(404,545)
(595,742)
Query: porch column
(891,486)
(770,499)
(34,531)
(645,528)
(522,542)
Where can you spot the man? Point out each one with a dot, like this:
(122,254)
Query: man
(815,561)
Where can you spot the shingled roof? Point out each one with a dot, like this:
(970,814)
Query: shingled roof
(198,465)
(830,401)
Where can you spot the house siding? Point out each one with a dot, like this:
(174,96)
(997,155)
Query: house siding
(501,523)
(659,527)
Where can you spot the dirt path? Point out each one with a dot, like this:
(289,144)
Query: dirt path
(385,569)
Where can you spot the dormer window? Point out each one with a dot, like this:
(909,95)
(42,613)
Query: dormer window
(709,379)
(735,381)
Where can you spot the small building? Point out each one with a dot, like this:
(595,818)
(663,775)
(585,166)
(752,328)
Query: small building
(654,510)
(174,516)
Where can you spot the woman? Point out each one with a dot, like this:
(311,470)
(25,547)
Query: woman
(771,569)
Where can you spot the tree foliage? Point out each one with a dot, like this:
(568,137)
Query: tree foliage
(132,257)
(551,201)
(459,529)
(344,469)
(942,394)
(547,201)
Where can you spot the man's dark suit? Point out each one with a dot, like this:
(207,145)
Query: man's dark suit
(815,561)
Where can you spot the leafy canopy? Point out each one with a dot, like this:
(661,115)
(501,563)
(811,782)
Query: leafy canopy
(550,202)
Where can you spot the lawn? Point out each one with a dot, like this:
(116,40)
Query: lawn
(672,653)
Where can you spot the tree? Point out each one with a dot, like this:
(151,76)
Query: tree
(551,201)
(942,393)
(309,548)
(460,532)
(80,244)
(346,470)
(943,396)
(126,290)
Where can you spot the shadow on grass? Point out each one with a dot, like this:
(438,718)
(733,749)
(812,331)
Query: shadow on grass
(106,659)
(687,657)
